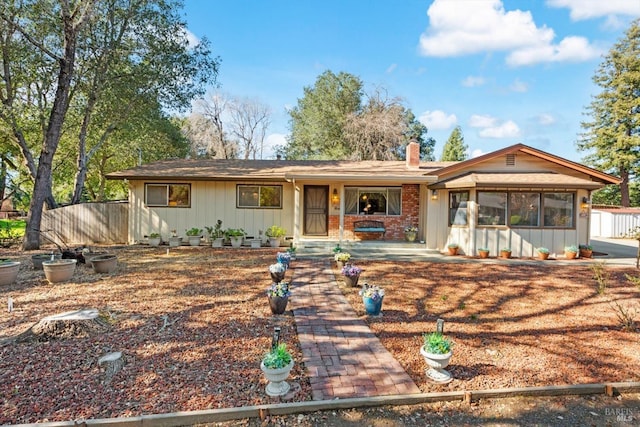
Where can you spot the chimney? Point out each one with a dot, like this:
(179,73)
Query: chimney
(413,155)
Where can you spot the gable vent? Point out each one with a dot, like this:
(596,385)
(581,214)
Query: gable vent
(510,159)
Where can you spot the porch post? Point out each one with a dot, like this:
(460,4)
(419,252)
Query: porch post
(341,215)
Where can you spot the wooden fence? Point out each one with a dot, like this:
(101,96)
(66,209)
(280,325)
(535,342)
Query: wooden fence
(89,223)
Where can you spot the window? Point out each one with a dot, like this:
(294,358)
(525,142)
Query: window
(558,209)
(458,201)
(170,195)
(492,208)
(373,200)
(526,209)
(259,196)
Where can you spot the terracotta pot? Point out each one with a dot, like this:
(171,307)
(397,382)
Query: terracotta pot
(277,385)
(59,270)
(453,251)
(586,253)
(505,254)
(543,255)
(483,254)
(339,264)
(570,255)
(104,263)
(9,272)
(278,305)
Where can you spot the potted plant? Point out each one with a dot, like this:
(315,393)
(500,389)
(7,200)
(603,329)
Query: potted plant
(277,365)
(571,252)
(216,234)
(275,235)
(453,248)
(277,271)
(410,233)
(154,239)
(284,258)
(351,274)
(483,252)
(104,263)
(8,271)
(543,253)
(341,258)
(586,251)
(175,240)
(292,252)
(437,352)
(235,236)
(505,252)
(372,296)
(194,235)
(59,270)
(278,295)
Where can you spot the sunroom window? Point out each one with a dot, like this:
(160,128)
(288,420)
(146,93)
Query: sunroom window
(526,209)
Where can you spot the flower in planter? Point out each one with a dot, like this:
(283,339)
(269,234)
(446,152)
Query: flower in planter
(277,268)
(194,232)
(411,229)
(278,290)
(351,270)
(284,258)
(543,250)
(584,247)
(342,256)
(436,343)
(371,291)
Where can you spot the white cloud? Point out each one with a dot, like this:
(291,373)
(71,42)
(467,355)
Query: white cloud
(518,86)
(491,127)
(588,9)
(392,68)
(545,119)
(270,143)
(479,121)
(437,119)
(472,81)
(464,27)
(507,129)
(477,153)
(192,39)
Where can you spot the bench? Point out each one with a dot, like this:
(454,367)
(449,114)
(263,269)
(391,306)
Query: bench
(369,226)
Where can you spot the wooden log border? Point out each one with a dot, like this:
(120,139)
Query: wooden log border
(261,411)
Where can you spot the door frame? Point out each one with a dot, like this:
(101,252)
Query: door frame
(304,211)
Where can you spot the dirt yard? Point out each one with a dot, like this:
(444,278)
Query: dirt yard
(194,323)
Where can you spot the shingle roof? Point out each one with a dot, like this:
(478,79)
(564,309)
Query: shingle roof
(523,180)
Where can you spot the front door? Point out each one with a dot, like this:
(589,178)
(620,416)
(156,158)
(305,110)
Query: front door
(316,210)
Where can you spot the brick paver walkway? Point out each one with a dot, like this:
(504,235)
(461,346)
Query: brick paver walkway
(342,356)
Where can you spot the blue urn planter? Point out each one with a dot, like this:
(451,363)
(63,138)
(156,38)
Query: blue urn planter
(372,306)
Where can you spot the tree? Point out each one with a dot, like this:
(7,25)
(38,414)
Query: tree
(212,109)
(454,149)
(317,122)
(86,67)
(612,135)
(249,121)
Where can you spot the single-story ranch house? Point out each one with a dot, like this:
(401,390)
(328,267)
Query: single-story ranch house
(517,197)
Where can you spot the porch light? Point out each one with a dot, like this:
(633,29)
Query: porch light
(335,198)
(434,194)
(585,203)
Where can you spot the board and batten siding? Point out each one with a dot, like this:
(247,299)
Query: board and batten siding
(210,201)
(522,241)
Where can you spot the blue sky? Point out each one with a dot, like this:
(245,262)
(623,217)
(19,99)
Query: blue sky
(506,71)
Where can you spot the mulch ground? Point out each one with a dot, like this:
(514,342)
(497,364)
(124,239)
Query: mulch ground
(193,325)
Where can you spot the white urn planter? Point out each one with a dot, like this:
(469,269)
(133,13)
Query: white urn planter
(217,242)
(437,363)
(194,240)
(274,242)
(59,270)
(104,263)
(154,241)
(175,241)
(236,241)
(8,272)
(277,385)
